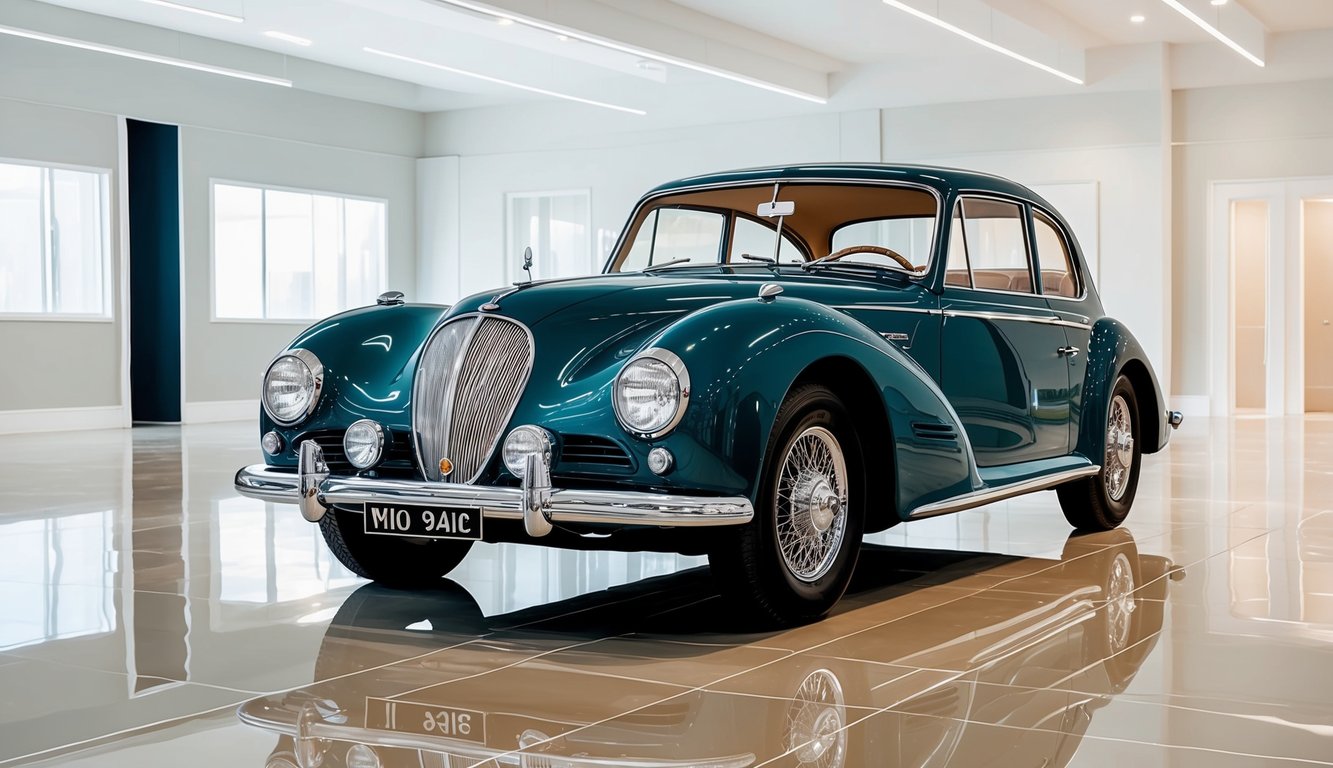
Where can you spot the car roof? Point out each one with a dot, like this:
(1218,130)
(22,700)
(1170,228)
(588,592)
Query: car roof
(940,177)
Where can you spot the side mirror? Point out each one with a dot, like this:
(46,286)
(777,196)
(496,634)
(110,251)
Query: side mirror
(527,262)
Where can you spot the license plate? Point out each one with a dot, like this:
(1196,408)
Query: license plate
(425,719)
(422,522)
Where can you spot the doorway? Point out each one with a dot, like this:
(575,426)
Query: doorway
(153,179)
(1271,321)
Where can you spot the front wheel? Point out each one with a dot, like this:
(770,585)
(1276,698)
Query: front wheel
(389,560)
(794,560)
(1101,502)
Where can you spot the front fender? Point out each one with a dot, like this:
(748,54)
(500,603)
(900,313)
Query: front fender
(744,356)
(1113,351)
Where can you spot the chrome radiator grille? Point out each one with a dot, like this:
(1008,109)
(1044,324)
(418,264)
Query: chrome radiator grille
(470,376)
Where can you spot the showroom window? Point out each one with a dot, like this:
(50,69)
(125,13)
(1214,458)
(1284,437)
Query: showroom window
(283,254)
(54,242)
(556,226)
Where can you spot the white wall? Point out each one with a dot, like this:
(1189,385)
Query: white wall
(1233,133)
(63,105)
(617,168)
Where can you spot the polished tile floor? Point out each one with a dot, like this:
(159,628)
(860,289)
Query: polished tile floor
(149,616)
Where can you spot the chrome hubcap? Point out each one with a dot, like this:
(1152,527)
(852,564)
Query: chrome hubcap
(811,504)
(1119,449)
(816,720)
(1120,602)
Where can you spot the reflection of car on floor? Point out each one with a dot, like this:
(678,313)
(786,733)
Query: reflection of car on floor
(1034,665)
(775,362)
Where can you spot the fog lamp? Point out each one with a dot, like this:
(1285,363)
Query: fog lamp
(523,442)
(271,442)
(364,443)
(660,461)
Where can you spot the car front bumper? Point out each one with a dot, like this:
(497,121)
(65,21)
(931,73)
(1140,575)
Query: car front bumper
(536,503)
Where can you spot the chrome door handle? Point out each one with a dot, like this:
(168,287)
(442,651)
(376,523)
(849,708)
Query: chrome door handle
(1070,352)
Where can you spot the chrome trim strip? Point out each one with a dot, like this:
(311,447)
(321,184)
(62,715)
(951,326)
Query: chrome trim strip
(672,361)
(881,308)
(1000,493)
(1044,320)
(279,485)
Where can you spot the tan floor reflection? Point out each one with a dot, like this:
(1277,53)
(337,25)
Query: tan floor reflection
(547,692)
(142,602)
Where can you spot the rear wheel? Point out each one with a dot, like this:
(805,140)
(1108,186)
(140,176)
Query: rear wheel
(394,562)
(794,560)
(1101,502)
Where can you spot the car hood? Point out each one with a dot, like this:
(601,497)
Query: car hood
(586,324)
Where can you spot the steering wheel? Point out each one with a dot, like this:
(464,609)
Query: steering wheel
(879,249)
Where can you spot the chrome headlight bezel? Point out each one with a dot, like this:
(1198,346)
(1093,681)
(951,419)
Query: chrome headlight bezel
(544,443)
(662,426)
(376,434)
(316,370)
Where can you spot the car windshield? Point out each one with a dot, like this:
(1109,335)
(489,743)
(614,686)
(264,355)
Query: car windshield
(856,224)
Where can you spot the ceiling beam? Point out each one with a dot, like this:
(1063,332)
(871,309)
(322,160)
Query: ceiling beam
(1230,24)
(663,32)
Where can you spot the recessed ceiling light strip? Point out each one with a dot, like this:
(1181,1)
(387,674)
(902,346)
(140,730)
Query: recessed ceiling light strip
(1015,55)
(193,9)
(293,39)
(635,51)
(1214,31)
(499,81)
(143,56)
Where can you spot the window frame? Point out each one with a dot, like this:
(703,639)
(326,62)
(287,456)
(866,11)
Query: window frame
(213,183)
(1025,217)
(108,314)
(511,255)
(1066,237)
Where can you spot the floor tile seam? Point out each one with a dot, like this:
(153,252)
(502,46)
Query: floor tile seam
(84,744)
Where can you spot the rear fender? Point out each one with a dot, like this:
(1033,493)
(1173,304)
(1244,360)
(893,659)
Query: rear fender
(1113,351)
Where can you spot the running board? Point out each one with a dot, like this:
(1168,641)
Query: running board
(1000,493)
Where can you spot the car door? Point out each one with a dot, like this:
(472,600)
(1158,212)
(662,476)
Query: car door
(1003,356)
(1063,286)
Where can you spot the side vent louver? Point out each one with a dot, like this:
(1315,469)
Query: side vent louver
(930,431)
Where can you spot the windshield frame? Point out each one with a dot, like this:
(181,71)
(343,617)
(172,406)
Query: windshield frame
(621,249)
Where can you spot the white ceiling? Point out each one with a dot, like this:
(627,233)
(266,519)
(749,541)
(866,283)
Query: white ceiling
(858,52)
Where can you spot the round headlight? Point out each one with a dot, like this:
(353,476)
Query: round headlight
(363,442)
(292,385)
(651,393)
(521,443)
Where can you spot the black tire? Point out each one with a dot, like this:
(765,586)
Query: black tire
(1101,502)
(401,563)
(748,565)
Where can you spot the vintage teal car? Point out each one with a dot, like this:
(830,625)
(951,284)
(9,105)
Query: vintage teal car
(774,362)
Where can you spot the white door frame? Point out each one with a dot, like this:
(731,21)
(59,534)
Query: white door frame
(1285,301)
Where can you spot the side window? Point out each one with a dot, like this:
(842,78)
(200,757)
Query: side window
(668,234)
(1057,268)
(955,270)
(996,245)
(757,240)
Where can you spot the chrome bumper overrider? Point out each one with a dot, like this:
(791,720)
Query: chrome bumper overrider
(537,504)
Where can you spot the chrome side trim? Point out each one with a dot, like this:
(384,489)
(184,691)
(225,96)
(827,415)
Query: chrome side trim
(1000,493)
(1041,319)
(501,503)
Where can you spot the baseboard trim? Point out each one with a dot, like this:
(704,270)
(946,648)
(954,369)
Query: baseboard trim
(63,419)
(1193,406)
(212,411)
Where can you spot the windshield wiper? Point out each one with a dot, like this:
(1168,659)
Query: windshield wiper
(663,265)
(760,259)
(824,263)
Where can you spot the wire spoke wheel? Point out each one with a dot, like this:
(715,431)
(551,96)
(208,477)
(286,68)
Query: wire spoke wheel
(816,720)
(1119,463)
(1120,602)
(811,504)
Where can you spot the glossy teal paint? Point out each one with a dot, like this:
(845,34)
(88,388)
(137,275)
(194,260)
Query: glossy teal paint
(743,355)
(369,357)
